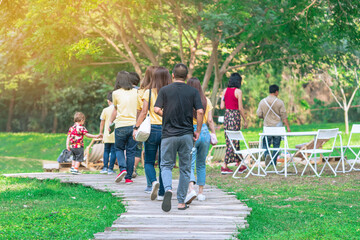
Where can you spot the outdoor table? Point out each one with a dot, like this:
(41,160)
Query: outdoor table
(285,135)
(295,134)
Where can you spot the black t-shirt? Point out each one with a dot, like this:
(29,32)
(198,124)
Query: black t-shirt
(178,100)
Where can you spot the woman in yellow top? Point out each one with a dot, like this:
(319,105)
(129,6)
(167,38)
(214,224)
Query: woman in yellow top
(124,116)
(160,78)
(201,149)
(143,86)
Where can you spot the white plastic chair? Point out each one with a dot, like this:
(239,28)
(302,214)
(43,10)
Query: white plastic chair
(308,154)
(238,136)
(275,151)
(354,149)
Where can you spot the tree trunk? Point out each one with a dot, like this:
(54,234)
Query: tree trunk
(11,111)
(346,117)
(55,124)
(209,68)
(218,77)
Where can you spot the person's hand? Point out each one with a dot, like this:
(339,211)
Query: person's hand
(134,134)
(99,136)
(68,148)
(245,124)
(196,135)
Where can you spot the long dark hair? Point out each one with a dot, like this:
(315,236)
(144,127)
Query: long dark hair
(195,83)
(123,80)
(146,81)
(160,78)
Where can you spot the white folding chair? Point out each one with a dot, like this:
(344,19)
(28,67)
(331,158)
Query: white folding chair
(354,149)
(308,154)
(273,152)
(243,154)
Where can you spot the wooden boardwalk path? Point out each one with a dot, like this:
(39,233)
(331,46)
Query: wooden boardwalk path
(218,217)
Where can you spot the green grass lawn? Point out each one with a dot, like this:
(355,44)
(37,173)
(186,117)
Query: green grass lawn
(33,209)
(283,208)
(296,207)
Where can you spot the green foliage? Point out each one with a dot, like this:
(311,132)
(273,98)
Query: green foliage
(33,209)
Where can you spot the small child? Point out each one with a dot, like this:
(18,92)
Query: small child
(75,141)
(109,139)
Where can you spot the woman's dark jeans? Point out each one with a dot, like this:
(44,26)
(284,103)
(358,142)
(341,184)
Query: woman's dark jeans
(152,145)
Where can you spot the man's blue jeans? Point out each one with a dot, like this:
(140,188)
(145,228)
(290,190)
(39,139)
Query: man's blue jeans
(124,141)
(152,145)
(272,140)
(109,148)
(199,156)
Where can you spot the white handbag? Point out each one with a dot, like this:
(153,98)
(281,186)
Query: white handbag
(143,132)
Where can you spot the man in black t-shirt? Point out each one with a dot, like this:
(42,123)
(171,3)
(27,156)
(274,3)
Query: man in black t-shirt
(176,103)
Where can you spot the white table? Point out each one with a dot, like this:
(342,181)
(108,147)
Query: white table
(285,135)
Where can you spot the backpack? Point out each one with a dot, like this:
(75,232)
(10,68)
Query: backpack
(65,156)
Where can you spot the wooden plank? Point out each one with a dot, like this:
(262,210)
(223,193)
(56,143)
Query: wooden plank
(218,217)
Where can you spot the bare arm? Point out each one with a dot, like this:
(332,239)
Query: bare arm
(199,118)
(141,116)
(211,122)
(238,95)
(102,124)
(158,111)
(287,125)
(68,143)
(113,115)
(222,103)
(92,135)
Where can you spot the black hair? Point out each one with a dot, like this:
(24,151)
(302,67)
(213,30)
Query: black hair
(273,88)
(180,71)
(109,96)
(123,80)
(135,79)
(235,81)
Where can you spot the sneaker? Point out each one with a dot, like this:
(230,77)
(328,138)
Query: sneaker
(160,198)
(120,176)
(155,189)
(166,204)
(190,197)
(201,197)
(109,172)
(128,181)
(134,175)
(226,170)
(242,168)
(148,190)
(72,169)
(76,172)
(104,171)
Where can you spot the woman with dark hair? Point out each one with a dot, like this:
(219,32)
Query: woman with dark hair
(143,86)
(201,148)
(232,101)
(124,116)
(160,78)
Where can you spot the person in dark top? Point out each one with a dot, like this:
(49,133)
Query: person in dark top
(176,103)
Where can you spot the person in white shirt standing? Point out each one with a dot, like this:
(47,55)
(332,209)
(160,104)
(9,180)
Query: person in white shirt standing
(273,111)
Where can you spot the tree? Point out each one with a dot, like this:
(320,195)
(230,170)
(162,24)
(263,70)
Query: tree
(344,85)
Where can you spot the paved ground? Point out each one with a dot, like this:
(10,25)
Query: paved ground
(218,217)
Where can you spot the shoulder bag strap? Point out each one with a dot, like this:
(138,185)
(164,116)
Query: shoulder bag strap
(149,102)
(270,108)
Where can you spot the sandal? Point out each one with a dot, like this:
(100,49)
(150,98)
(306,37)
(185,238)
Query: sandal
(184,208)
